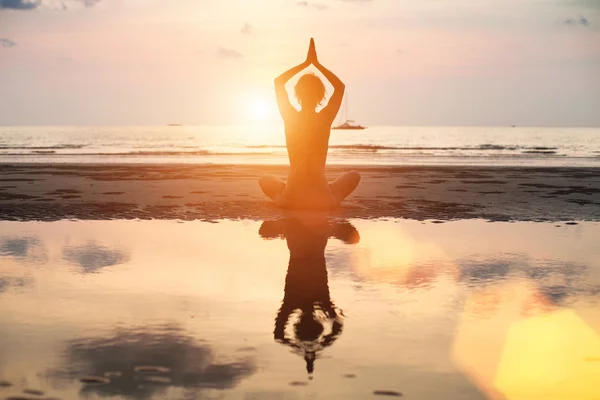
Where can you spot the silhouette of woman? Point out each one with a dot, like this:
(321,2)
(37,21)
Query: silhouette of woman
(315,322)
(307,140)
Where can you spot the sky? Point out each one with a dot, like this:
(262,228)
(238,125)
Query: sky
(212,62)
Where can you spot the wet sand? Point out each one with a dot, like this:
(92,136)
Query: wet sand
(210,192)
(166,310)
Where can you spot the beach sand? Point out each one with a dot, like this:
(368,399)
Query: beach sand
(210,192)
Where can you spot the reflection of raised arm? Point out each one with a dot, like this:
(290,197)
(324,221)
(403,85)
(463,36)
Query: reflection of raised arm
(346,232)
(280,321)
(332,108)
(336,331)
(283,102)
(272,230)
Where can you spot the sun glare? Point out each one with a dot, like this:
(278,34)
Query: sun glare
(259,110)
(258,107)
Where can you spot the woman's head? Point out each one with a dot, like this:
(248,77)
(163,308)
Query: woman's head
(310,91)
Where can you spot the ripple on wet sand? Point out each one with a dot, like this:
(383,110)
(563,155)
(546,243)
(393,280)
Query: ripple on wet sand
(387,393)
(95,380)
(35,392)
(246,349)
(163,380)
(30,398)
(20,398)
(298,383)
(151,368)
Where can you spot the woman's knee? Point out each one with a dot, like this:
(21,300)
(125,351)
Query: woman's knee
(352,179)
(271,186)
(264,182)
(355,176)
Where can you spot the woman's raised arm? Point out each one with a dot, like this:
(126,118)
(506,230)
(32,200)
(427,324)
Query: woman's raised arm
(283,102)
(333,106)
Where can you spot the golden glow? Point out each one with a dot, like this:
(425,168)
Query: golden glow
(548,357)
(389,254)
(514,344)
(258,107)
(482,331)
(260,110)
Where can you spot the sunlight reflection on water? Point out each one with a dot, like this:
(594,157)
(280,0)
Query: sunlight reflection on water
(299,307)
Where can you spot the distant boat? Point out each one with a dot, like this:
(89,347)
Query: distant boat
(348,123)
(173,124)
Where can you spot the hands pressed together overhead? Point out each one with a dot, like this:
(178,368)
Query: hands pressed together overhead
(335,100)
(311,57)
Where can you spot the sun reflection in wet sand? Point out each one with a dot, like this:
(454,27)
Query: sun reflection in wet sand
(548,356)
(516,344)
(389,254)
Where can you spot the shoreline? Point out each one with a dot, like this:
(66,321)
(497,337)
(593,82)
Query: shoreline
(49,192)
(281,160)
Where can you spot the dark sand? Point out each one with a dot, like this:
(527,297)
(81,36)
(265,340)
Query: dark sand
(210,192)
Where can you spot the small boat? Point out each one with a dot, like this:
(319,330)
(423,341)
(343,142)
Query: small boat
(173,124)
(348,123)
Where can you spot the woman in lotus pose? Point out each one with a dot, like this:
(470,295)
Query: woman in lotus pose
(307,139)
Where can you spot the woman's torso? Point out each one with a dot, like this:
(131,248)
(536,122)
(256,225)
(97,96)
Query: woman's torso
(307,142)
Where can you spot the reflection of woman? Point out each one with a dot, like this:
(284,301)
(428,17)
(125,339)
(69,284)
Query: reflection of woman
(316,323)
(307,141)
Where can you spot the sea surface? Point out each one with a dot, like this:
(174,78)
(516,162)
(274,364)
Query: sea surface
(299,308)
(258,144)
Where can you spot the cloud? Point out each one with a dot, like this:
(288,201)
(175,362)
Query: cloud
(318,6)
(591,4)
(24,249)
(583,21)
(56,4)
(7,42)
(92,257)
(247,29)
(17,247)
(20,4)
(90,3)
(10,282)
(64,4)
(229,53)
(184,362)
(573,278)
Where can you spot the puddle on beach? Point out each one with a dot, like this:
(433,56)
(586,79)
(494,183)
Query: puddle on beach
(299,308)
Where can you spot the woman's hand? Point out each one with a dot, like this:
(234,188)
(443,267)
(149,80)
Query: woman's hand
(311,57)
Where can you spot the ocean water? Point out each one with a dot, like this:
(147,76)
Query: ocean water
(266,145)
(301,308)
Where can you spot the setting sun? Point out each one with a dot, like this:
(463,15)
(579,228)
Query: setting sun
(260,110)
(258,106)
